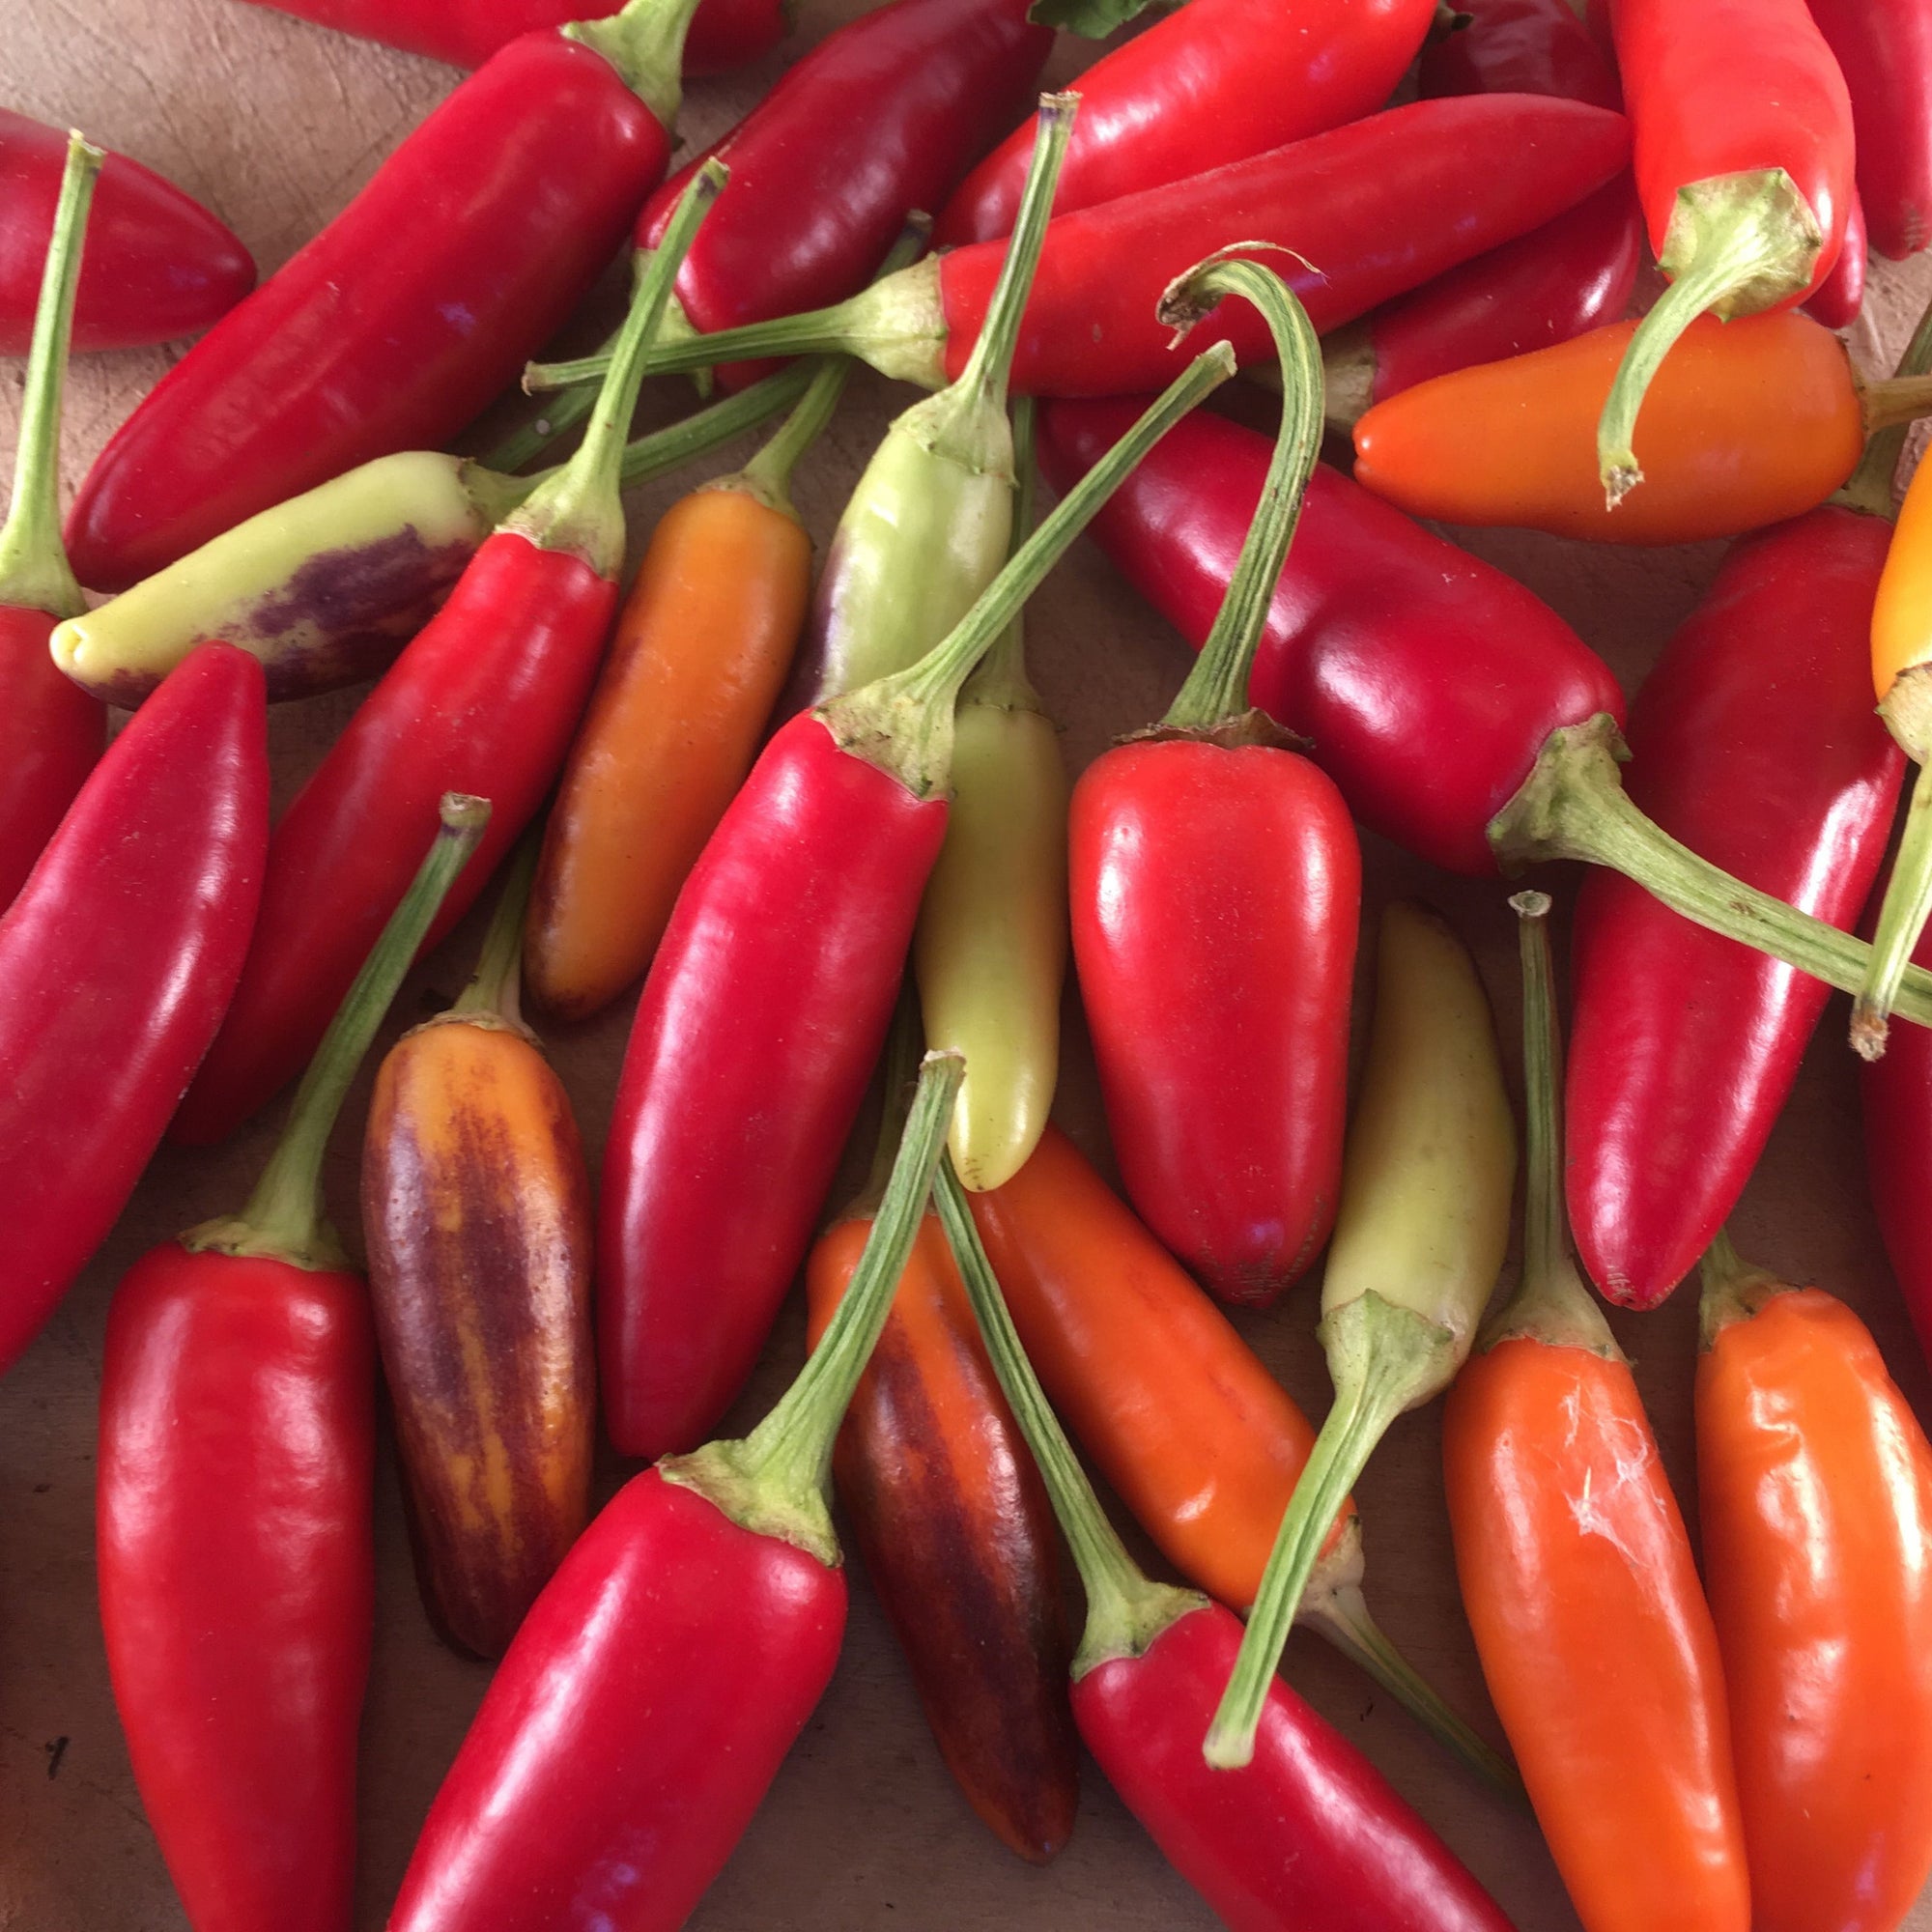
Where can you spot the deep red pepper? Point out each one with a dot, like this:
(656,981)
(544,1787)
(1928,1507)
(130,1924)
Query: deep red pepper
(1519,47)
(1896,1092)
(1884,50)
(159,264)
(236,1548)
(1215,884)
(1754,741)
(484,699)
(1217,82)
(408,313)
(1838,300)
(145,898)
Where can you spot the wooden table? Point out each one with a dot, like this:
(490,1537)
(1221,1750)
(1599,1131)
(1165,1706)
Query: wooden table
(274,125)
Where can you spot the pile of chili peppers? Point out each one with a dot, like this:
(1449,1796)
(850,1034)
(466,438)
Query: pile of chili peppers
(801,830)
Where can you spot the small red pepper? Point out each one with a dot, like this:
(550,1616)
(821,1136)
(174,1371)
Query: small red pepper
(52,732)
(1896,1092)
(414,308)
(1884,50)
(660,1679)
(485,699)
(145,898)
(1215,883)
(235,1543)
(159,264)
(1518,46)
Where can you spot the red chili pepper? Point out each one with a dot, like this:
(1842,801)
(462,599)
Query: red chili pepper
(1754,741)
(412,309)
(484,699)
(1380,207)
(1744,162)
(1884,50)
(1519,47)
(145,898)
(1306,1833)
(1218,82)
(655,1686)
(766,1003)
(159,264)
(1838,300)
(1896,1092)
(52,732)
(1215,884)
(235,1546)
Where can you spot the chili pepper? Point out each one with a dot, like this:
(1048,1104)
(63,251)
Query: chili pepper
(700,655)
(328,587)
(1518,46)
(781,963)
(1230,79)
(724,34)
(144,897)
(658,1682)
(50,733)
(950,1517)
(159,264)
(1896,1092)
(235,1543)
(1815,1485)
(1420,1234)
(1881,49)
(1685,1047)
(476,1207)
(1743,165)
(990,946)
(1576,1574)
(412,309)
(1748,423)
(1197,1437)
(1307,1834)
(1840,296)
(1383,205)
(1216,889)
(486,698)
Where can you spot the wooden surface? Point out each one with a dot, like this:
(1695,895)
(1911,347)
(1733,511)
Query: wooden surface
(274,125)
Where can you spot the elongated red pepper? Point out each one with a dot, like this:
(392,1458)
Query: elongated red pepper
(1754,741)
(51,731)
(1744,162)
(658,1682)
(1518,46)
(484,699)
(236,1550)
(1224,81)
(1380,207)
(412,309)
(1215,884)
(145,898)
(765,1005)
(1895,1094)
(1305,1834)
(159,264)
(1884,50)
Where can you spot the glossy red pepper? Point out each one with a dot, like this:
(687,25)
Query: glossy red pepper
(50,731)
(145,898)
(1884,50)
(1838,300)
(159,264)
(1220,81)
(1215,883)
(236,1550)
(484,699)
(1519,47)
(1896,1093)
(1754,741)
(408,313)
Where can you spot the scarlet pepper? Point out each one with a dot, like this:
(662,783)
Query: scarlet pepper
(1896,1093)
(1881,46)
(485,699)
(235,1543)
(1518,46)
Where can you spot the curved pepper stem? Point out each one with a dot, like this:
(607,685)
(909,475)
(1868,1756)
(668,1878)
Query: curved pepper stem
(35,574)
(284,1219)
(493,991)
(1216,691)
(1731,1289)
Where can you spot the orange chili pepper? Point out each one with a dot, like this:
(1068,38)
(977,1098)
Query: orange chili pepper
(1186,1422)
(1577,1577)
(1815,1480)
(1745,423)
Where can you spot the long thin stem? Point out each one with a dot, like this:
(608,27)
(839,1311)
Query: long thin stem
(496,984)
(1903,914)
(1001,676)
(1869,486)
(1542,1242)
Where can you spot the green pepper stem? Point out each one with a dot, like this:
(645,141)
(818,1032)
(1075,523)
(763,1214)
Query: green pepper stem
(1216,689)
(904,722)
(644,43)
(1902,913)
(1126,1611)
(284,1217)
(580,510)
(494,986)
(35,574)
(1001,677)
(1868,488)
(899,1073)
(1730,1289)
